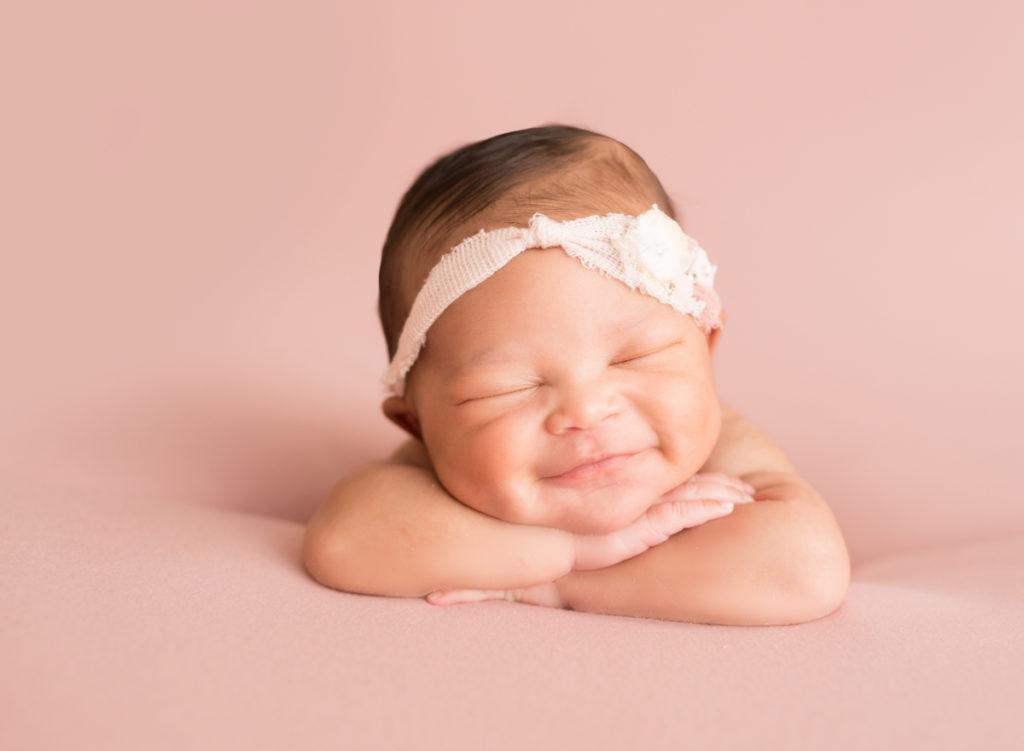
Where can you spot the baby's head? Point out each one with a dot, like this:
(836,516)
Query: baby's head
(545,392)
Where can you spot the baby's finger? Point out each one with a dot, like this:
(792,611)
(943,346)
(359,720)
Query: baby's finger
(708,491)
(669,518)
(724,479)
(460,596)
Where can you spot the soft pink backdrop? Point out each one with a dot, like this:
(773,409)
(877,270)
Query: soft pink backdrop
(194,196)
(200,191)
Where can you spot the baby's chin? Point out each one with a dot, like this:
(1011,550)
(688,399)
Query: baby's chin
(580,515)
(595,516)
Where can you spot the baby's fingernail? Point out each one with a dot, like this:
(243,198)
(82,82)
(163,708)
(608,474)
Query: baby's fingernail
(725,507)
(747,499)
(749,488)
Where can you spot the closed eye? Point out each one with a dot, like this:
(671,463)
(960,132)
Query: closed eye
(508,392)
(647,354)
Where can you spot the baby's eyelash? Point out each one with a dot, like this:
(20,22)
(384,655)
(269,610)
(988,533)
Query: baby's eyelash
(648,353)
(509,392)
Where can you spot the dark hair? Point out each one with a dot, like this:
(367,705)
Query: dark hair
(475,177)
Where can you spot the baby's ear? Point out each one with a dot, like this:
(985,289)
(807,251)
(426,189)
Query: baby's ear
(715,333)
(401,414)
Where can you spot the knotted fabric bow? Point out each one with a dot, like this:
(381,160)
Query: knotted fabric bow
(649,253)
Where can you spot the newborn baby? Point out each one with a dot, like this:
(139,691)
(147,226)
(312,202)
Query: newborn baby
(551,329)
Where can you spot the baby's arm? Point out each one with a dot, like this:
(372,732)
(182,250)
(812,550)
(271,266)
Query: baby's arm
(781,560)
(391,529)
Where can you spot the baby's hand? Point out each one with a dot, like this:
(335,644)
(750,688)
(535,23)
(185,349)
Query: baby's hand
(700,499)
(546,595)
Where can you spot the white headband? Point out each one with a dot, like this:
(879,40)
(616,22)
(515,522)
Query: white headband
(649,253)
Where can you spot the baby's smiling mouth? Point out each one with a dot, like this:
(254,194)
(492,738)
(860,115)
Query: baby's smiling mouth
(595,468)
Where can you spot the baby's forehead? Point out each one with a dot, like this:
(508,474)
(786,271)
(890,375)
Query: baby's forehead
(544,296)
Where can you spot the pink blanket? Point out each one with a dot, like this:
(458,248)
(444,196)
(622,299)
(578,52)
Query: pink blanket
(164,627)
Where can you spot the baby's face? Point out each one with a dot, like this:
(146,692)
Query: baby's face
(551,395)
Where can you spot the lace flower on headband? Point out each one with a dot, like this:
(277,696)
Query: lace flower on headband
(649,253)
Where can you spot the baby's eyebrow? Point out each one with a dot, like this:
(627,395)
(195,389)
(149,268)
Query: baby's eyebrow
(629,323)
(491,358)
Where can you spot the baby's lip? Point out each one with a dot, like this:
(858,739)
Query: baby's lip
(594,467)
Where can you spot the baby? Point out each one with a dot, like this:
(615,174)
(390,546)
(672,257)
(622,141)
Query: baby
(551,329)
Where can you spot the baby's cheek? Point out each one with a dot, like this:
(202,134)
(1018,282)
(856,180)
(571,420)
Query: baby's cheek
(487,474)
(687,420)
(509,475)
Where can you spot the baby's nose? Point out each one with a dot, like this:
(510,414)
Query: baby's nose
(583,407)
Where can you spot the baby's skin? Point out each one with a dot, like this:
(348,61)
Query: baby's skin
(569,449)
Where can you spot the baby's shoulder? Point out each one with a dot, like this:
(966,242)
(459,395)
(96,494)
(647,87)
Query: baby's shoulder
(412,453)
(410,460)
(409,466)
